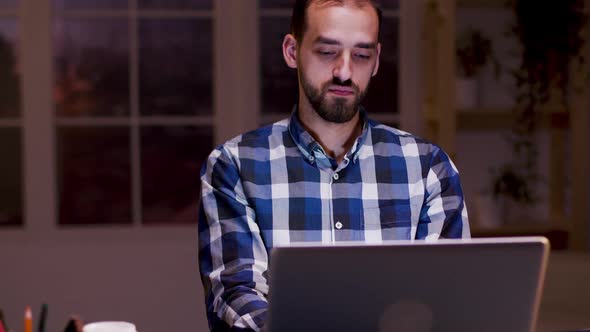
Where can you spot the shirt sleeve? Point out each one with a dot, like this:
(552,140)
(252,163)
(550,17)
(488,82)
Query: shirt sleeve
(233,260)
(443,213)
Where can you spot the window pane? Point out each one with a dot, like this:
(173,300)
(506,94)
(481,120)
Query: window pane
(90,4)
(9,76)
(10,177)
(174,4)
(92,67)
(389,4)
(8,4)
(94,175)
(171,159)
(279,82)
(383,91)
(276,3)
(175,66)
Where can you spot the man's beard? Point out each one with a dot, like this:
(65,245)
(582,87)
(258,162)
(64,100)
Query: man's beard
(337,109)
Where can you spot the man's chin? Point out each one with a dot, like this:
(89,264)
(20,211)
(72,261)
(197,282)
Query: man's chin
(338,114)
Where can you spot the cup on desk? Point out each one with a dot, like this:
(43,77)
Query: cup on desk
(109,327)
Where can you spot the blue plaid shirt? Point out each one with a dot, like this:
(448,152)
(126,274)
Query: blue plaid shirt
(276,185)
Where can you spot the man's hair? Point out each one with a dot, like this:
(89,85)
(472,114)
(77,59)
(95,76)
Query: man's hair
(299,16)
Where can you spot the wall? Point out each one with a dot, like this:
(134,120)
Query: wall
(149,277)
(565,305)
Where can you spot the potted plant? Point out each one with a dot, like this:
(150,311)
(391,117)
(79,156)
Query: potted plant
(550,35)
(473,52)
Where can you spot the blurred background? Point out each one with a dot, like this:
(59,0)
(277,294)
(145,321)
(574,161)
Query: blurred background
(109,107)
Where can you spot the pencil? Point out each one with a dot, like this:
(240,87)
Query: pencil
(28,319)
(42,317)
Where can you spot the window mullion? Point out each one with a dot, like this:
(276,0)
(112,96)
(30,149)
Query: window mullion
(410,83)
(36,59)
(236,68)
(136,198)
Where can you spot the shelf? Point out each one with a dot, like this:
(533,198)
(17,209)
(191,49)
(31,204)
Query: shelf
(558,236)
(493,119)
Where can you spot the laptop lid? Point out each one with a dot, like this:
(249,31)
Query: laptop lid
(491,284)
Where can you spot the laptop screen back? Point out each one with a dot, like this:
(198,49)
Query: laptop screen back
(447,285)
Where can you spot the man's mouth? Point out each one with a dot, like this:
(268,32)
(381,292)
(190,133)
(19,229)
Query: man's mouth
(341,91)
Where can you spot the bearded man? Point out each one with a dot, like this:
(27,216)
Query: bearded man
(326,174)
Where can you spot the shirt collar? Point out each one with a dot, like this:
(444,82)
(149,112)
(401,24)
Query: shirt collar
(312,150)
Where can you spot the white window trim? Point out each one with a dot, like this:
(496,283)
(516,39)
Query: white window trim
(410,66)
(35,44)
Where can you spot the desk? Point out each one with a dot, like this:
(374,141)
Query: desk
(565,304)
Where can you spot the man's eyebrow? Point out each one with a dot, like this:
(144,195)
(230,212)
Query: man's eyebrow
(325,40)
(366,45)
(330,41)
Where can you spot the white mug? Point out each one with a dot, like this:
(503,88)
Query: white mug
(109,327)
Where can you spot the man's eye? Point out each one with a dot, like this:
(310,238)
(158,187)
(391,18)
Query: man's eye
(320,52)
(362,56)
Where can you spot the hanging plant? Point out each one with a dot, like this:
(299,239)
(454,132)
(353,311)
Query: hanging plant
(474,51)
(551,35)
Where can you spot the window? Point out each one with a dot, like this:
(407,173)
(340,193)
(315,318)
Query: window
(133,102)
(123,100)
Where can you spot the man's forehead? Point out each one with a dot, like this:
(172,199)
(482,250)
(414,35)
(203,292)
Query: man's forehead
(342,20)
(328,3)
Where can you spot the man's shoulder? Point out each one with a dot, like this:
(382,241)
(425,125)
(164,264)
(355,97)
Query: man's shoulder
(252,145)
(382,133)
(259,138)
(388,141)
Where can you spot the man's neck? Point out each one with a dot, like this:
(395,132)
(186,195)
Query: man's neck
(336,138)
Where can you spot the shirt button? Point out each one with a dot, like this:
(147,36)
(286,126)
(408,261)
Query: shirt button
(338,225)
(335,176)
(311,158)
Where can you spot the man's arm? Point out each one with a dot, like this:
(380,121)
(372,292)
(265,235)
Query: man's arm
(232,258)
(444,211)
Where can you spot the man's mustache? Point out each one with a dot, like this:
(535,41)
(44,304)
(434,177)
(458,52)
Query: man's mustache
(337,81)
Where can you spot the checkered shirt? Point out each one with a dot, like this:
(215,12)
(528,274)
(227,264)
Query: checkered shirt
(276,185)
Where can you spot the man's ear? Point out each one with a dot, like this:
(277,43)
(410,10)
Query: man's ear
(377,62)
(290,50)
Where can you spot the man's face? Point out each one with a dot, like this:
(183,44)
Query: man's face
(337,57)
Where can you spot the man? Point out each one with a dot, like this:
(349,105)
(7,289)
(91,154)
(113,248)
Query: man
(326,174)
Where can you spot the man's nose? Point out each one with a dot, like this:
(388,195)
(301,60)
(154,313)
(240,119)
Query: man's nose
(343,69)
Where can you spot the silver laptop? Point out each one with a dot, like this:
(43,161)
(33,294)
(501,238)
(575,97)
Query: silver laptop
(491,284)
